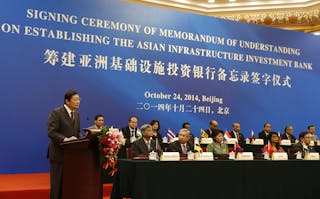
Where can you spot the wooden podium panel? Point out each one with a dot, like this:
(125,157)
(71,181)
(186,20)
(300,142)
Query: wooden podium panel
(82,172)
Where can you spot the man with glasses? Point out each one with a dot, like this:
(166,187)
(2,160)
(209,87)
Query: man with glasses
(145,145)
(304,145)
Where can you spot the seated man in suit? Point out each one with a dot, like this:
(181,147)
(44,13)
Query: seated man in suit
(98,122)
(264,134)
(130,133)
(288,134)
(182,145)
(235,133)
(146,144)
(213,128)
(304,145)
(312,130)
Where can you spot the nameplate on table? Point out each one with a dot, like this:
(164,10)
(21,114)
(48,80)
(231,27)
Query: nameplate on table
(206,140)
(257,142)
(153,155)
(311,143)
(245,156)
(190,155)
(231,141)
(285,142)
(279,156)
(174,139)
(204,156)
(311,156)
(170,156)
(165,140)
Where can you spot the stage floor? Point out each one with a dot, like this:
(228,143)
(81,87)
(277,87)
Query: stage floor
(32,186)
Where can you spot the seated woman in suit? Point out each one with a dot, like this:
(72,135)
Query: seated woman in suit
(217,147)
(273,144)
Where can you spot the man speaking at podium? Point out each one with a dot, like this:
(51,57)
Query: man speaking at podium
(63,126)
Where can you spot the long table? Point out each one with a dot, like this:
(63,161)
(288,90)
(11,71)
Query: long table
(220,179)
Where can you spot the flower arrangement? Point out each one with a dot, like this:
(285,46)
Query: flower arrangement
(110,142)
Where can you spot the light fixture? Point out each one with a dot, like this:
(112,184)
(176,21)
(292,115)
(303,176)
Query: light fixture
(316,33)
(232,0)
(211,1)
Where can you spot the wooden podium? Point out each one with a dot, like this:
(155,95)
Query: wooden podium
(82,172)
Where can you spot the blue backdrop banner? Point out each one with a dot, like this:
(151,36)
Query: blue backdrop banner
(129,59)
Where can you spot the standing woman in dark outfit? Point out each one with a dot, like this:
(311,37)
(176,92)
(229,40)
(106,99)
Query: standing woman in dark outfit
(156,135)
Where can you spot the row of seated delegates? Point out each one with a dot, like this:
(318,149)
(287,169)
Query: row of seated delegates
(145,145)
(157,135)
(235,132)
(288,133)
(303,146)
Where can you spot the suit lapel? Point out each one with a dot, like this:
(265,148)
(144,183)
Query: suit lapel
(232,134)
(66,115)
(179,147)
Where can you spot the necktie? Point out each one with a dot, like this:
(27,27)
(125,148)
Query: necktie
(148,144)
(184,149)
(132,133)
(72,117)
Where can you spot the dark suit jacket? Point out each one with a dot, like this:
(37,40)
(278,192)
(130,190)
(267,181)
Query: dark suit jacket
(299,147)
(139,147)
(263,136)
(176,147)
(60,126)
(127,134)
(285,137)
(210,135)
(241,140)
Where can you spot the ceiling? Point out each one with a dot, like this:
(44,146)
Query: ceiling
(299,15)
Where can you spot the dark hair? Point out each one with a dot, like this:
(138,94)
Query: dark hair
(68,95)
(303,134)
(131,117)
(184,124)
(310,126)
(270,136)
(97,116)
(286,127)
(265,124)
(216,133)
(155,121)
